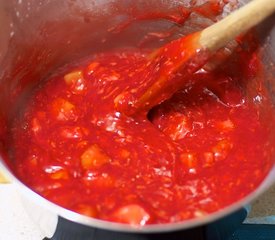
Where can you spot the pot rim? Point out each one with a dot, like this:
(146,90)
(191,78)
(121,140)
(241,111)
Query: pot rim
(120,227)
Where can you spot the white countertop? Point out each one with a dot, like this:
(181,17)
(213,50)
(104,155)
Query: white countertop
(15,224)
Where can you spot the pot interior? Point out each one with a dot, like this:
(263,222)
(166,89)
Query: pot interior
(38,37)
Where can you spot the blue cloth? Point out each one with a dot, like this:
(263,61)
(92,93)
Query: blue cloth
(223,229)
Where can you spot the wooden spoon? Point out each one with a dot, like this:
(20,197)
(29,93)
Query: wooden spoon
(189,54)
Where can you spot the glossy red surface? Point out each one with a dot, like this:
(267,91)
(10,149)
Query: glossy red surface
(194,154)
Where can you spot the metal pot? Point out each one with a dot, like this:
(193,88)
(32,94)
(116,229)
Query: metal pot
(37,36)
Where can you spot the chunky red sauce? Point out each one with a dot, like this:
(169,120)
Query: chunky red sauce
(194,154)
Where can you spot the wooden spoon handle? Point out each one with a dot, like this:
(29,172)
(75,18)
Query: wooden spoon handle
(220,33)
(3,179)
(191,53)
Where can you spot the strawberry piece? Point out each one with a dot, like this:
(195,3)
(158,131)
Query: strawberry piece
(94,157)
(132,214)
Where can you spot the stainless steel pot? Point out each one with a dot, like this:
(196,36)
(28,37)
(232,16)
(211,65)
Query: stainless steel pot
(38,36)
